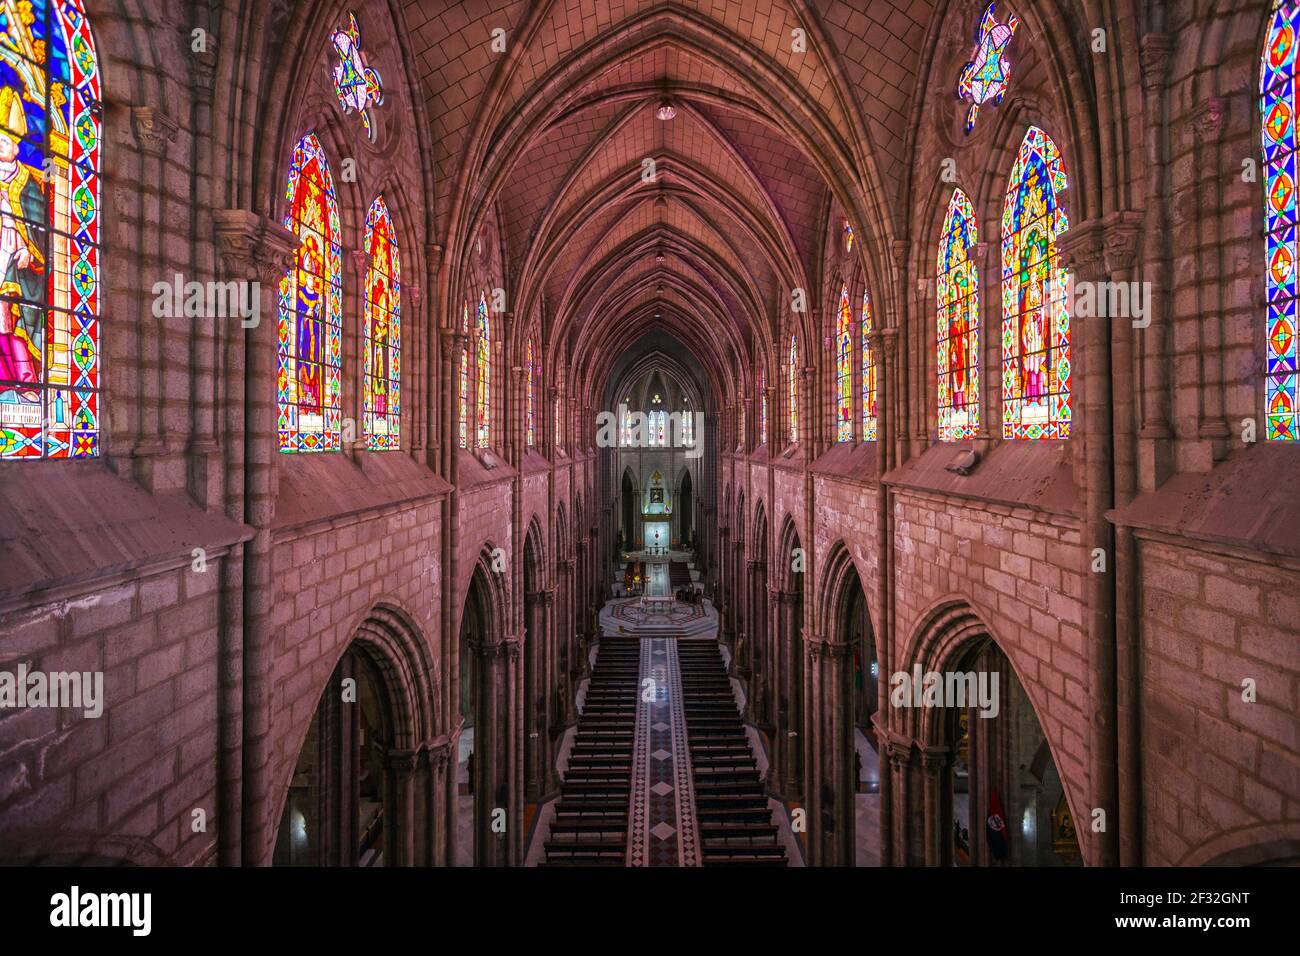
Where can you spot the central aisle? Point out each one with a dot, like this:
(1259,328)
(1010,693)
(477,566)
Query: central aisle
(663,829)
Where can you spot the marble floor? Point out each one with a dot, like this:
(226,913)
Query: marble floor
(867,804)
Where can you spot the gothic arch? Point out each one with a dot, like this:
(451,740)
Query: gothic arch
(1263,844)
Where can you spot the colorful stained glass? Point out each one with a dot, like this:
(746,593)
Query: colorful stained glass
(50,117)
(844,368)
(530,396)
(793,387)
(382,385)
(958,349)
(483,362)
(848,237)
(1036,369)
(984,79)
(356,84)
(762,406)
(870,371)
(1277,110)
(309,382)
(464,398)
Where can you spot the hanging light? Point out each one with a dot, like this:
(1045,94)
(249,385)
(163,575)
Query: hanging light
(666,109)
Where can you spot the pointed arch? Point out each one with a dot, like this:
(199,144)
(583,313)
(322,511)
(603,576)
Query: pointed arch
(844,366)
(382,333)
(958,342)
(1036,366)
(309,383)
(870,372)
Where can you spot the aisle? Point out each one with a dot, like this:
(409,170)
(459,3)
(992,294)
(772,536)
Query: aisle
(663,829)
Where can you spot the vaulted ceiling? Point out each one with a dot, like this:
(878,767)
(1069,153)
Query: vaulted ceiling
(781,109)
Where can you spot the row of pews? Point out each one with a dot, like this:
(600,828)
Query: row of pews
(735,822)
(590,825)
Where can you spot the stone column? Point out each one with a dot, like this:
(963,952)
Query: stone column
(1082,251)
(441,810)
(935,763)
(257,250)
(399,808)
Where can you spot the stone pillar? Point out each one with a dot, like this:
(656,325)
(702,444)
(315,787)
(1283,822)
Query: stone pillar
(1082,250)
(935,764)
(257,250)
(399,808)
(439,849)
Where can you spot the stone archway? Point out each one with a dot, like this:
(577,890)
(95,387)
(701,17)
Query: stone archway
(487,815)
(842,749)
(989,790)
(365,764)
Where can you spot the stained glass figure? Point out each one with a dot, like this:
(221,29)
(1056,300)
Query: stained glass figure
(844,369)
(382,386)
(762,406)
(50,135)
(848,237)
(958,350)
(1277,110)
(463,389)
(985,78)
(1036,370)
(483,361)
(356,83)
(309,384)
(870,386)
(530,397)
(793,385)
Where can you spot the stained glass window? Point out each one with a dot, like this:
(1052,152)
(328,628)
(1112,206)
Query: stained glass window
(530,397)
(311,310)
(844,368)
(1277,108)
(1035,302)
(959,319)
(356,83)
(984,79)
(848,237)
(464,398)
(870,371)
(382,394)
(559,423)
(762,406)
(659,428)
(484,381)
(50,125)
(793,385)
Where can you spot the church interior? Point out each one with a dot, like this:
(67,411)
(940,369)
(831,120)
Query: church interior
(649,433)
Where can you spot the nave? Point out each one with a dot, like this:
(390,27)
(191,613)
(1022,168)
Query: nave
(660,772)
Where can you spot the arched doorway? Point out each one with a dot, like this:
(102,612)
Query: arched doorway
(685,509)
(847,798)
(339,811)
(791,733)
(538,761)
(999,797)
(628,536)
(486,815)
(764,633)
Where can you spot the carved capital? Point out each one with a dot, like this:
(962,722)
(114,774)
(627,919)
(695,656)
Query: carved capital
(1082,250)
(1121,240)
(153,129)
(1155,51)
(253,248)
(203,70)
(1208,120)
